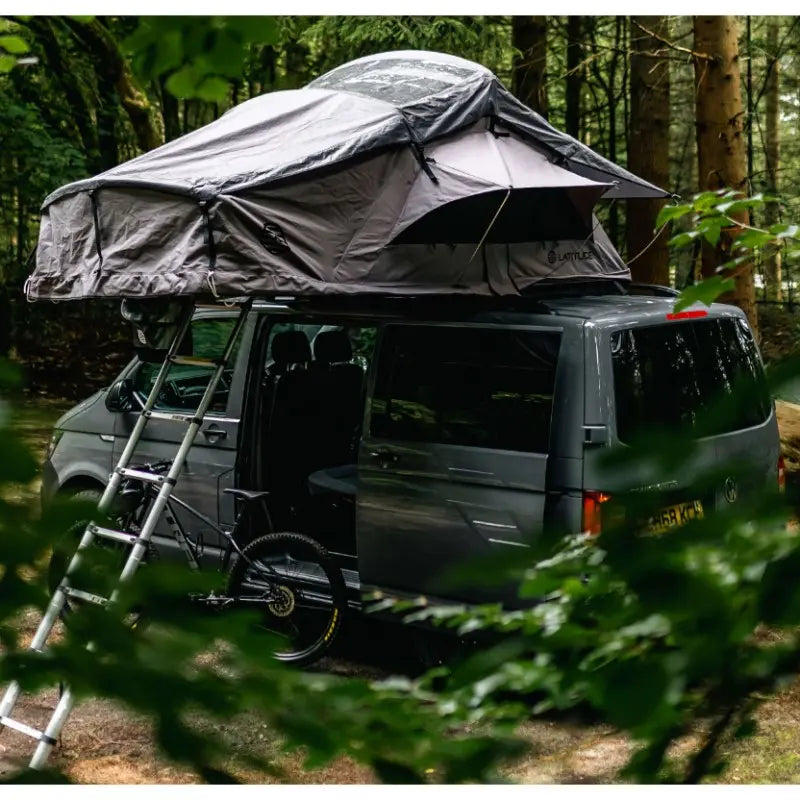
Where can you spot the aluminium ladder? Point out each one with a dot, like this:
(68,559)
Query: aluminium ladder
(137,542)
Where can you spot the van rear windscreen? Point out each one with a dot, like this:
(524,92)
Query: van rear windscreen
(702,377)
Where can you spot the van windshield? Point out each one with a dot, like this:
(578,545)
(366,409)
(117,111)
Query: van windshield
(702,377)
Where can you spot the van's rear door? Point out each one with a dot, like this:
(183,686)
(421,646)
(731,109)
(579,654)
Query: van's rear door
(695,382)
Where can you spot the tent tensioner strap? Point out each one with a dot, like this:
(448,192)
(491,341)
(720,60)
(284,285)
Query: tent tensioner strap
(423,161)
(96,218)
(212,249)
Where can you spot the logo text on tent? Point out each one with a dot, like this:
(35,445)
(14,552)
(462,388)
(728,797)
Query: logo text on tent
(571,255)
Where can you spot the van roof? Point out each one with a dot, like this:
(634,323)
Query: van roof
(613,309)
(601,309)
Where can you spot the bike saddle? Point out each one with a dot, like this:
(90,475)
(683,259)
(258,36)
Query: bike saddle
(247,495)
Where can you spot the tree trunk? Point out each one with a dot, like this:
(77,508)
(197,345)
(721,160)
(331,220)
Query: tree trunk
(169,112)
(721,155)
(574,79)
(648,149)
(108,57)
(529,38)
(612,99)
(772,260)
(107,112)
(59,66)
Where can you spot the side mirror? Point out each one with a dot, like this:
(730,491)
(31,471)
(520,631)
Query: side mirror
(119,396)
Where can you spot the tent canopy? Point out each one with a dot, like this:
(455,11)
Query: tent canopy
(334,188)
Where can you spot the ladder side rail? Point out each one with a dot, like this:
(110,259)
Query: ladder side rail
(133,440)
(139,549)
(58,598)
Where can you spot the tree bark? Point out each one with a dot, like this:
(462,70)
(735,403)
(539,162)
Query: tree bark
(109,58)
(572,121)
(529,38)
(772,260)
(648,149)
(721,157)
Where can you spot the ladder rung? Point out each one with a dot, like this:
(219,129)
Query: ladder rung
(170,417)
(141,475)
(189,361)
(26,729)
(117,536)
(87,597)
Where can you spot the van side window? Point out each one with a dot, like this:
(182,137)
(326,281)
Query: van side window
(185,384)
(477,387)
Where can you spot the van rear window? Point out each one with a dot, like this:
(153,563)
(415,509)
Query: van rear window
(703,377)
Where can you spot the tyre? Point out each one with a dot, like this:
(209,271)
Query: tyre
(298,589)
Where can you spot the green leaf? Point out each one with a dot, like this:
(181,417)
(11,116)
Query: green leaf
(212,89)
(7,63)
(785,231)
(779,598)
(711,231)
(14,45)
(261,30)
(707,291)
(670,213)
(682,239)
(167,53)
(183,83)
(751,239)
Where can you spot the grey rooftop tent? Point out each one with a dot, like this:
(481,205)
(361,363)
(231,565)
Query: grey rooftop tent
(399,173)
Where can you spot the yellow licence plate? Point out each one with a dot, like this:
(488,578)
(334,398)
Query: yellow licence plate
(675,516)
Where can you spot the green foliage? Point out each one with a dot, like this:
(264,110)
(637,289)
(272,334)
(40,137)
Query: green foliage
(335,40)
(659,634)
(12,46)
(708,215)
(198,56)
(185,666)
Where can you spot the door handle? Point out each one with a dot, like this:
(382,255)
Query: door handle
(383,456)
(214,433)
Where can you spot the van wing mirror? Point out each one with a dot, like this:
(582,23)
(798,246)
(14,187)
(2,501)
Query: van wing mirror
(119,396)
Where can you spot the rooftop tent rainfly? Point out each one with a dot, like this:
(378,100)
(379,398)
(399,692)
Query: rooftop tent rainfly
(399,173)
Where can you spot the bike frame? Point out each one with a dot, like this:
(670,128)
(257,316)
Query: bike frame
(193,550)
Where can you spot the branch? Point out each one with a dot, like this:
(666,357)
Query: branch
(673,46)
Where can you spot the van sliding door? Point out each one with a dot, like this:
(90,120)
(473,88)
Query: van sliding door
(453,463)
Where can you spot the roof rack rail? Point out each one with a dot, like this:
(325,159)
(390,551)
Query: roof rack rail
(652,289)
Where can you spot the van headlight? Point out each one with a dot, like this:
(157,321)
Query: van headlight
(55,438)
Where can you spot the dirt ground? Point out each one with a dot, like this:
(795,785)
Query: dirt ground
(104,743)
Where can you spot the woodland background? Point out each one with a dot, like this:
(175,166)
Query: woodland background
(691,103)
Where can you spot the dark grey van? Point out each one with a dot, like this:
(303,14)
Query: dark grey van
(411,436)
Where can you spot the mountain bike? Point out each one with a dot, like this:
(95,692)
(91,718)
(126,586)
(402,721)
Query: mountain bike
(289,577)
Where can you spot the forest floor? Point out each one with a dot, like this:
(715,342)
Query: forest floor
(105,743)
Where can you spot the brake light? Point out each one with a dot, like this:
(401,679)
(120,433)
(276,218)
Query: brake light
(688,314)
(592,512)
(781,474)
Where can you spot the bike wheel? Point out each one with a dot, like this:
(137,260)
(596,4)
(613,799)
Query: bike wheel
(298,589)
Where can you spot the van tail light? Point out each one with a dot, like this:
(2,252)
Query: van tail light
(781,475)
(688,314)
(592,512)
